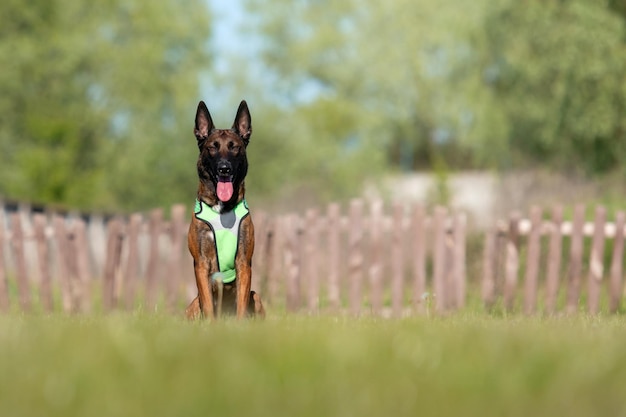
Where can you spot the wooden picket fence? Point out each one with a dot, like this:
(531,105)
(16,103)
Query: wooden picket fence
(540,265)
(68,262)
(363,259)
(362,262)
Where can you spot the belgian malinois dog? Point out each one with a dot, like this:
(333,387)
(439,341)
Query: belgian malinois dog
(221,233)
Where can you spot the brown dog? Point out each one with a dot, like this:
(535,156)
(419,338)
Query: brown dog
(221,233)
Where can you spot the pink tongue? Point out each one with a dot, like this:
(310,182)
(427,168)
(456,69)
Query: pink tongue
(224,190)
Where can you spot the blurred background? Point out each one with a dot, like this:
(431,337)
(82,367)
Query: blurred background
(485,104)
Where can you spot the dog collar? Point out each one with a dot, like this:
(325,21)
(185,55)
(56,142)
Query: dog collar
(225,228)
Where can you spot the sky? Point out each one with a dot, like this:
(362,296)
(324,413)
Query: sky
(227,41)
(230,41)
(229,17)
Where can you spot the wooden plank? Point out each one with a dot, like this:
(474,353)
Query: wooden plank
(334,254)
(615,287)
(292,262)
(554,260)
(173,283)
(97,244)
(488,290)
(418,233)
(131,274)
(312,261)
(17,241)
(153,269)
(43,262)
(260,260)
(459,270)
(82,282)
(596,261)
(112,263)
(276,271)
(439,258)
(355,256)
(4,285)
(397,259)
(576,259)
(376,256)
(511,262)
(66,239)
(62,249)
(532,261)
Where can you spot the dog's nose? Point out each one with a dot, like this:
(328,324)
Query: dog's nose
(224,169)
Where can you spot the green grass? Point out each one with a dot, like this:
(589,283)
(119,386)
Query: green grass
(463,365)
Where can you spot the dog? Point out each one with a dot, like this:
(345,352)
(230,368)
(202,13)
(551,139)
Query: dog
(221,233)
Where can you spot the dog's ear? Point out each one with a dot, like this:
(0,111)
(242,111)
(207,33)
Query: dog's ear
(243,122)
(204,123)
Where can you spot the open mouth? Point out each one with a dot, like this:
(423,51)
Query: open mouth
(224,188)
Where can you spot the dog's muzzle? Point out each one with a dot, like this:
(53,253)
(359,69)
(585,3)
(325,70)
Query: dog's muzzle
(224,169)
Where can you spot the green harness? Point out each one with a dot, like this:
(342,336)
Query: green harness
(225,228)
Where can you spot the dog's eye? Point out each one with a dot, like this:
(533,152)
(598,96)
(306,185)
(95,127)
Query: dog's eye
(234,148)
(213,147)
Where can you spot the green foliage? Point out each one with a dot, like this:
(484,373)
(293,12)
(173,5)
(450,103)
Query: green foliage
(91,95)
(97,98)
(385,60)
(470,365)
(486,83)
(309,154)
(558,70)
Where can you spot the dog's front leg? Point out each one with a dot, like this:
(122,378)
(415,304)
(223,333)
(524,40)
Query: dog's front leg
(202,250)
(244,283)
(243,266)
(205,295)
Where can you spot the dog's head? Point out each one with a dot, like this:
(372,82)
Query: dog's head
(222,164)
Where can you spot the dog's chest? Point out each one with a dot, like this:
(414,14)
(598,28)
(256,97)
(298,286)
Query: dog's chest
(223,231)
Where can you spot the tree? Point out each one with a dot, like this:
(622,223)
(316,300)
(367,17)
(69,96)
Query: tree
(482,84)
(557,71)
(94,96)
(404,65)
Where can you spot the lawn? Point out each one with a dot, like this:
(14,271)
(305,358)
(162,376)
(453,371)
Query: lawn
(462,365)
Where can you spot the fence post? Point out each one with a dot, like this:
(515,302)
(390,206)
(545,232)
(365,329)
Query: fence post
(112,263)
(615,291)
(176,251)
(419,258)
(60,237)
(511,262)
(333,233)
(397,259)
(311,261)
(439,259)
(376,229)
(576,259)
(153,270)
(82,264)
(97,244)
(276,273)
(459,273)
(532,261)
(292,262)
(596,264)
(20,261)
(260,260)
(131,274)
(355,257)
(488,291)
(554,260)
(45,289)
